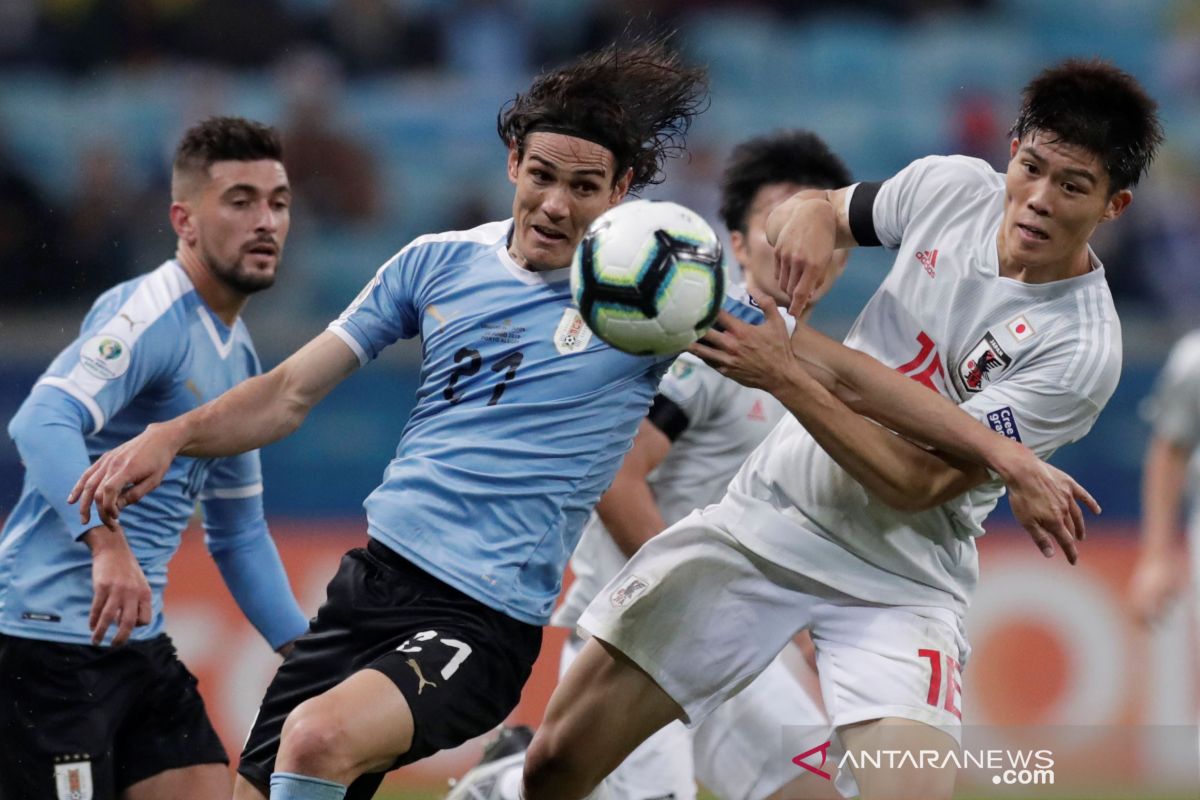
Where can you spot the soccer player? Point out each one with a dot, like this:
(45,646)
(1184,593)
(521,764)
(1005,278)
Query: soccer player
(1169,469)
(429,632)
(838,525)
(96,701)
(700,428)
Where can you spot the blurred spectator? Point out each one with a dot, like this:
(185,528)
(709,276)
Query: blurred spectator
(374,35)
(94,244)
(978,131)
(334,176)
(30,273)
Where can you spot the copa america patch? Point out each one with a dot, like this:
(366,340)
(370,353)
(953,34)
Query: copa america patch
(1004,422)
(73,779)
(633,588)
(572,334)
(105,357)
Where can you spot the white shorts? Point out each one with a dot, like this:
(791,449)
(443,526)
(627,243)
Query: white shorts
(703,616)
(726,752)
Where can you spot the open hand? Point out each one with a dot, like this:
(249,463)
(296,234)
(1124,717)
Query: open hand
(124,475)
(753,355)
(1046,501)
(120,591)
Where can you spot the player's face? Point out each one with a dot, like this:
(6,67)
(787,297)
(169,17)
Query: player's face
(753,253)
(563,183)
(756,257)
(240,219)
(1056,194)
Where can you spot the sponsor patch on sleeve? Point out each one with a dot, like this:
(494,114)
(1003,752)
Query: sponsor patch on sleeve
(105,357)
(1004,422)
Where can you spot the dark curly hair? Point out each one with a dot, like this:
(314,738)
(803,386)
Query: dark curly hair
(792,156)
(1094,105)
(637,100)
(226,139)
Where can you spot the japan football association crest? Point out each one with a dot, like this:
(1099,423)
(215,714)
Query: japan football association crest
(572,334)
(73,779)
(983,363)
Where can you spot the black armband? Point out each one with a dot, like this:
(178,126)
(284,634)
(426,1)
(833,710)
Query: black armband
(862,213)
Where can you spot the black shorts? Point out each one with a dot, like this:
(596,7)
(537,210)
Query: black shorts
(111,716)
(460,664)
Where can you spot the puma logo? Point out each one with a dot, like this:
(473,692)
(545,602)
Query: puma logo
(421,681)
(132,322)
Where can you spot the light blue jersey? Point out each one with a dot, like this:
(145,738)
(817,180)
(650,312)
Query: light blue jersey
(149,350)
(522,416)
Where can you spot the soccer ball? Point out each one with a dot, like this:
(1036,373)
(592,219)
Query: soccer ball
(648,277)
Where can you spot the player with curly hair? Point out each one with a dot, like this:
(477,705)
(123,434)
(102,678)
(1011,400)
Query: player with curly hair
(430,631)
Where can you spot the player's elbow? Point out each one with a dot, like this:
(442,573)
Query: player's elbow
(914,492)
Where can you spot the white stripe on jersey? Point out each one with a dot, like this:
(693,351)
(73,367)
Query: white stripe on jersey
(223,348)
(232,492)
(488,233)
(73,390)
(156,293)
(337,330)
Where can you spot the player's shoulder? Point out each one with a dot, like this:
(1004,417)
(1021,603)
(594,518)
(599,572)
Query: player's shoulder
(454,245)
(955,172)
(1185,353)
(1088,333)
(160,298)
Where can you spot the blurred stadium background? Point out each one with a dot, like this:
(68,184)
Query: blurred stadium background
(388,110)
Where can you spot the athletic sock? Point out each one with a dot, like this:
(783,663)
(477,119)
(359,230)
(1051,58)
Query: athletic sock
(290,786)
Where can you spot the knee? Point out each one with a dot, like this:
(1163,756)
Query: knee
(313,742)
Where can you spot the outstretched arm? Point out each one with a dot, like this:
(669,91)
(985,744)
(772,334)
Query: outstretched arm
(254,413)
(1160,574)
(900,473)
(628,509)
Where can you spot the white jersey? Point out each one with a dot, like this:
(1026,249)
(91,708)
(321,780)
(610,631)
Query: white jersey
(1035,362)
(1175,412)
(725,422)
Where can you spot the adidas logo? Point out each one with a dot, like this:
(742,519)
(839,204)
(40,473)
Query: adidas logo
(928,259)
(756,412)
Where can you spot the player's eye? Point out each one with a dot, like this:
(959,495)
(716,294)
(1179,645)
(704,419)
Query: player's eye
(1031,168)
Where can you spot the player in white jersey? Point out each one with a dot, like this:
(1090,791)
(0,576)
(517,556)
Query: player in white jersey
(86,713)
(835,523)
(699,430)
(1170,473)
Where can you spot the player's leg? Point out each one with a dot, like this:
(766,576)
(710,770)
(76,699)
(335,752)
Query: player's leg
(603,691)
(201,782)
(396,666)
(891,680)
(907,780)
(738,748)
(61,705)
(166,745)
(690,621)
(659,767)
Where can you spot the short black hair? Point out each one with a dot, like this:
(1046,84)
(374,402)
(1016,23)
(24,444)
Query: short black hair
(1094,105)
(792,156)
(226,139)
(637,100)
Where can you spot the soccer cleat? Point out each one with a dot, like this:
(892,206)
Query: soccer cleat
(503,753)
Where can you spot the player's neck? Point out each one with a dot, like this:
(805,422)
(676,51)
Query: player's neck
(1015,268)
(221,299)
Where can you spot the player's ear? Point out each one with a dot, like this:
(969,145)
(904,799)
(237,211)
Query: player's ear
(1013,147)
(1116,205)
(621,188)
(737,241)
(514,160)
(182,222)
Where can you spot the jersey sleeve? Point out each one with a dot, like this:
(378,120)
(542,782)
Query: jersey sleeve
(387,309)
(880,213)
(234,477)
(1174,406)
(48,432)
(689,392)
(237,537)
(107,366)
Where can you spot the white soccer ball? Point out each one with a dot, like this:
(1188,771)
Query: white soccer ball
(649,277)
